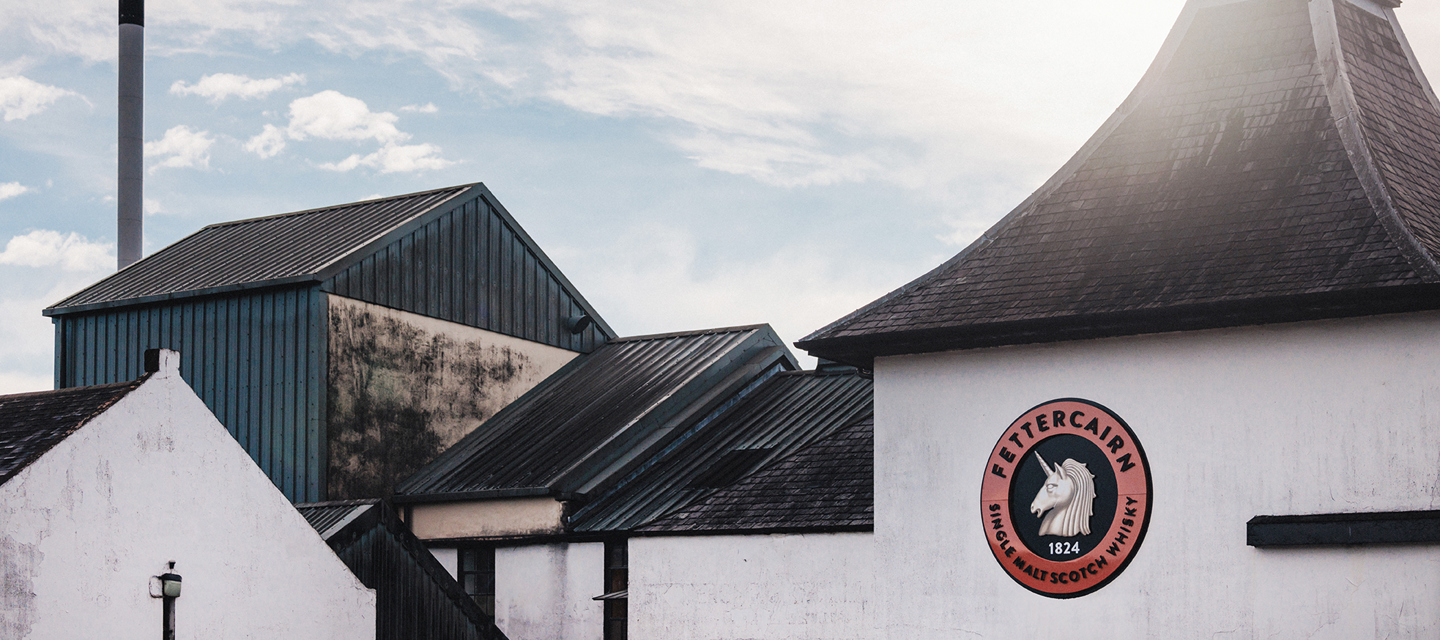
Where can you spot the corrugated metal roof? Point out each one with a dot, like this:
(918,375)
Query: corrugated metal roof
(33,423)
(601,414)
(780,416)
(328,518)
(829,485)
(260,251)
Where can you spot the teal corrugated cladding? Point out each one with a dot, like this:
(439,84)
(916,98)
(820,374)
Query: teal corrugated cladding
(256,358)
(471,267)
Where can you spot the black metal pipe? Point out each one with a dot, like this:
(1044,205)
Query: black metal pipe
(168,632)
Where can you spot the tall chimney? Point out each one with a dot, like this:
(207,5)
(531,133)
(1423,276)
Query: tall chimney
(129,229)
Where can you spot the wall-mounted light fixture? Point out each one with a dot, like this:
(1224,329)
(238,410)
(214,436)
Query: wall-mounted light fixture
(170,583)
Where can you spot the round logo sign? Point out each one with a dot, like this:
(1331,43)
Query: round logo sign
(1066,498)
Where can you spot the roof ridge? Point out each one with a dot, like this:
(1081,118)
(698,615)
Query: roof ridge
(337,503)
(45,392)
(275,216)
(691,333)
(1348,116)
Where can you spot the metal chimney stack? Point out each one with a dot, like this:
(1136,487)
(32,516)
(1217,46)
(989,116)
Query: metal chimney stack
(130,199)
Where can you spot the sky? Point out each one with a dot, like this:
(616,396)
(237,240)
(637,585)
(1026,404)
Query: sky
(685,164)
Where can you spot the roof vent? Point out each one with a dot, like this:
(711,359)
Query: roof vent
(579,323)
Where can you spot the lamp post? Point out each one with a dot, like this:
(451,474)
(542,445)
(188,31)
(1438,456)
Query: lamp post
(169,590)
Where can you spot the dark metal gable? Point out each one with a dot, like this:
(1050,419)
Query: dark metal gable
(471,263)
(453,253)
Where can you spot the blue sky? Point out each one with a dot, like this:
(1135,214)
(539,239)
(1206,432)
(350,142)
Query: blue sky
(687,164)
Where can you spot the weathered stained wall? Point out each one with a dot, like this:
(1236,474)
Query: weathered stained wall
(403,387)
(543,592)
(1318,417)
(156,478)
(811,586)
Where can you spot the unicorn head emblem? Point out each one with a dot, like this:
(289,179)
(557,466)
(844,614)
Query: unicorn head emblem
(1068,496)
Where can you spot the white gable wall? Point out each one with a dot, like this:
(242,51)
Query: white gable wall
(157,478)
(1319,417)
(785,587)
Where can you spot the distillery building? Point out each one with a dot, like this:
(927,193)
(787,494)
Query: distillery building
(1185,389)
(344,347)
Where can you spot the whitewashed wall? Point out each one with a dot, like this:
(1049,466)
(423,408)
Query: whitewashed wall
(1334,416)
(156,478)
(543,592)
(800,587)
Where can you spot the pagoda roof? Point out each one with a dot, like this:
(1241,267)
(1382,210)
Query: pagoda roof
(1278,162)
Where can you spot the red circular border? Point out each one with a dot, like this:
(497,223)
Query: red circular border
(1095,569)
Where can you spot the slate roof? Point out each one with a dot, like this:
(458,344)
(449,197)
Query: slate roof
(779,416)
(827,486)
(264,251)
(1258,173)
(33,423)
(600,415)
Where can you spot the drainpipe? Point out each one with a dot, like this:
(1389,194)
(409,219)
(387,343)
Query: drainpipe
(130,197)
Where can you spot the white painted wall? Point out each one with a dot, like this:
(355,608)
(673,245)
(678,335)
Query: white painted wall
(1334,416)
(543,592)
(153,479)
(800,587)
(448,558)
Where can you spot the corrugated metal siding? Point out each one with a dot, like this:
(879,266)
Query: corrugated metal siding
(586,405)
(472,267)
(256,359)
(260,249)
(785,413)
(415,597)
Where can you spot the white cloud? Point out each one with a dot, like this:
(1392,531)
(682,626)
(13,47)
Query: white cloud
(152,207)
(812,285)
(332,115)
(219,86)
(428,107)
(70,252)
(11,189)
(393,158)
(21,97)
(184,148)
(40,268)
(268,143)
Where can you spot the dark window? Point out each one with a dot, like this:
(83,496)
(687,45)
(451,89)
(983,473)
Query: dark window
(477,575)
(617,581)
